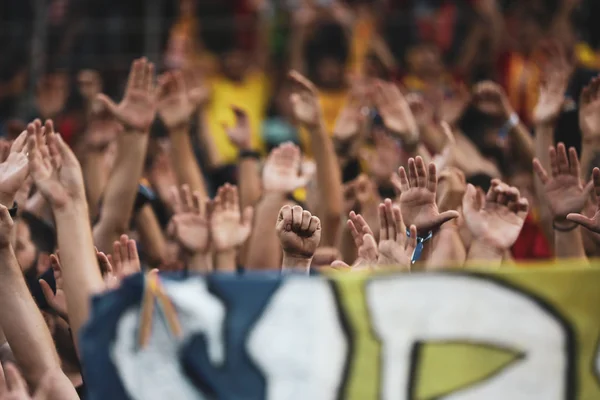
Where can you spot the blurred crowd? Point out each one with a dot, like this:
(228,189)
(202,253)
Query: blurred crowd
(270,135)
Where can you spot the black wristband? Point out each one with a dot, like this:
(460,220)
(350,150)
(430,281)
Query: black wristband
(561,229)
(249,154)
(13,211)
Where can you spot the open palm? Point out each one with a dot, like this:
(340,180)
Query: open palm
(138,108)
(189,226)
(174,105)
(281,171)
(417,197)
(592,223)
(229,227)
(395,111)
(564,191)
(496,219)
(305,101)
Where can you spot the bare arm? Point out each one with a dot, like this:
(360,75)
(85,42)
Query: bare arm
(264,249)
(185,165)
(96,177)
(151,235)
(136,112)
(329,178)
(64,189)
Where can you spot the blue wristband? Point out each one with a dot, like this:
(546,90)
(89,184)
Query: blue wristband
(419,249)
(512,122)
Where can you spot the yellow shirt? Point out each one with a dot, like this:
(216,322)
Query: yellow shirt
(331,103)
(251,95)
(362,34)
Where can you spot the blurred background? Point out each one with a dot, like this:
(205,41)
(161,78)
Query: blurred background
(55,55)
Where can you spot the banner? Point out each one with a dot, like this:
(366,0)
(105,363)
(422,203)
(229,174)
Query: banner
(510,334)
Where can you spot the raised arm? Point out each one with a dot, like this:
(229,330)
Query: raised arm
(280,179)
(136,112)
(589,123)
(175,108)
(308,113)
(564,194)
(57,175)
(490,98)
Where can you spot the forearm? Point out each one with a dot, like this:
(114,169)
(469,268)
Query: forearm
(121,190)
(522,143)
(329,181)
(185,165)
(569,245)
(95,178)
(23,324)
(151,235)
(200,263)
(225,261)
(249,182)
(204,135)
(81,273)
(481,254)
(264,248)
(448,250)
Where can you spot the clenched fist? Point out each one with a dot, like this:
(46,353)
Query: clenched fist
(299,233)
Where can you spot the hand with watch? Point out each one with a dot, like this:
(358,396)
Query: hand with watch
(565,193)
(491,99)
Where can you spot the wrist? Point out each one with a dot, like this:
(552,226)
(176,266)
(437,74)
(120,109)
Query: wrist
(295,262)
(563,225)
(482,249)
(71,208)
(225,260)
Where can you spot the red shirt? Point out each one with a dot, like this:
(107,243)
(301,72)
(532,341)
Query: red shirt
(531,244)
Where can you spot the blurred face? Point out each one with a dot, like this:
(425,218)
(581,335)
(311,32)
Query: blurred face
(425,60)
(234,64)
(89,83)
(330,72)
(25,249)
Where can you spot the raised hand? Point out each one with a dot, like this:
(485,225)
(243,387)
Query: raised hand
(174,105)
(593,224)
(14,170)
(299,234)
(190,225)
(589,110)
(229,227)
(305,101)
(240,133)
(565,193)
(350,119)
(197,90)
(281,172)
(555,78)
(364,240)
(138,108)
(57,301)
(395,248)
(395,112)
(417,197)
(55,169)
(491,99)
(495,219)
(125,260)
(453,107)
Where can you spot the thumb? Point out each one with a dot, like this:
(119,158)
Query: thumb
(107,103)
(583,221)
(445,217)
(589,187)
(47,291)
(339,264)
